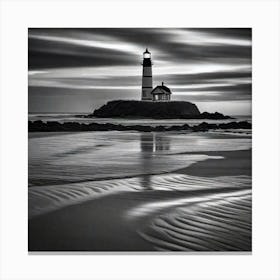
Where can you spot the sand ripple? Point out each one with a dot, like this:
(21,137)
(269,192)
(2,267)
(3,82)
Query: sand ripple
(216,225)
(44,199)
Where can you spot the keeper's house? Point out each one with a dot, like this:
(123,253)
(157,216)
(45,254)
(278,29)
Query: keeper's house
(161,93)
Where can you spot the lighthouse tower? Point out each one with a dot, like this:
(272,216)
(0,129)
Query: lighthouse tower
(147,78)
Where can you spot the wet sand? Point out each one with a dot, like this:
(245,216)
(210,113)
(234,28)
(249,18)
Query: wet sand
(234,163)
(108,223)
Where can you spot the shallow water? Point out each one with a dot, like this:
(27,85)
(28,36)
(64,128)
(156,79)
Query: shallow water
(79,157)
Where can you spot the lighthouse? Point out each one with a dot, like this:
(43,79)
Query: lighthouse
(147,78)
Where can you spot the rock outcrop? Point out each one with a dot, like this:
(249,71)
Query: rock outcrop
(39,126)
(213,116)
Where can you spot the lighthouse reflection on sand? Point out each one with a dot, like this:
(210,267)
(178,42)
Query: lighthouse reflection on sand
(151,143)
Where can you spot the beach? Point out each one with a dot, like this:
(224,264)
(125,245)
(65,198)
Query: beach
(136,191)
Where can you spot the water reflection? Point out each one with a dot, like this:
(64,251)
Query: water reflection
(152,142)
(150,145)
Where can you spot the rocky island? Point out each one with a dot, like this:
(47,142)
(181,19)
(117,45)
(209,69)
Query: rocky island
(153,110)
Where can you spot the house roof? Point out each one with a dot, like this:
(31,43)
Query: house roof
(161,90)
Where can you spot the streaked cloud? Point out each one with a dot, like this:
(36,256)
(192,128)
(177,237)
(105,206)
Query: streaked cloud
(204,38)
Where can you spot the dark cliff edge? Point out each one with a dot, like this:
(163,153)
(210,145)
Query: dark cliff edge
(154,110)
(39,126)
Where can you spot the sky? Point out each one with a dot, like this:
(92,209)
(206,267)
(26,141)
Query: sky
(79,70)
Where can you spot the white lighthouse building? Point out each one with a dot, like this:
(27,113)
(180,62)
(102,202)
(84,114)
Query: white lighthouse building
(147,77)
